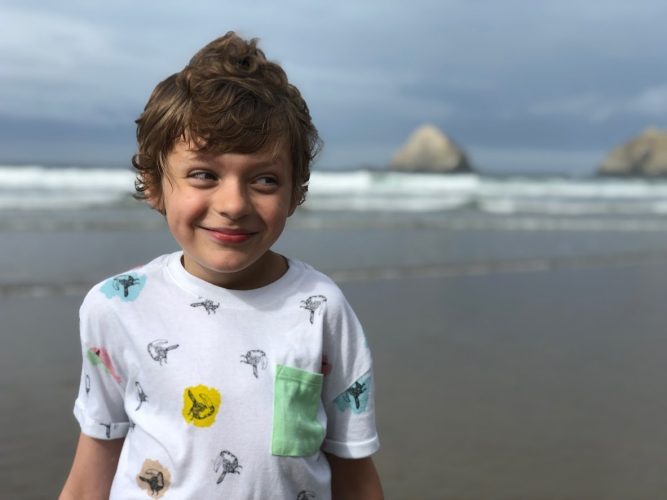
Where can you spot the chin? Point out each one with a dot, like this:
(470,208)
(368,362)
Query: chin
(225,266)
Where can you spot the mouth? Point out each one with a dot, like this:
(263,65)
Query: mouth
(227,235)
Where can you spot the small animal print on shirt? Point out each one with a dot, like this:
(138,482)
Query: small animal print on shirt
(355,397)
(107,428)
(141,395)
(256,358)
(312,304)
(154,478)
(305,495)
(207,304)
(158,350)
(125,286)
(226,463)
(200,405)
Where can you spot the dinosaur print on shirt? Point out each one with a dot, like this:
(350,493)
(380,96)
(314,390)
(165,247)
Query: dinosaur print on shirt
(126,287)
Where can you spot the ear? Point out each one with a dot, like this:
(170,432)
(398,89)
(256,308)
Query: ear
(155,200)
(293,204)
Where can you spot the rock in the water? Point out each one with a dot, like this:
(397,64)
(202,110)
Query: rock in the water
(429,150)
(645,155)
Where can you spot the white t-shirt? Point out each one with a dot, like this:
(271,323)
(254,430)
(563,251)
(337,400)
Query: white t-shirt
(224,393)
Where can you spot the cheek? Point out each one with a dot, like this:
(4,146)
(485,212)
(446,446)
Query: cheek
(278,216)
(183,204)
(182,217)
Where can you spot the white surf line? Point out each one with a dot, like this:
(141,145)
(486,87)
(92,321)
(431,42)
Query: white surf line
(490,268)
(28,221)
(521,223)
(551,224)
(39,290)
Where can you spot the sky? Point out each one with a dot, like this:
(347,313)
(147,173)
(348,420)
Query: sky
(530,86)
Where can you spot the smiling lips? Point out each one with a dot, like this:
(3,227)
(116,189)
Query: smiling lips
(224,235)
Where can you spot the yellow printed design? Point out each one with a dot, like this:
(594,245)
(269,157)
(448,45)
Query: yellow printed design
(200,405)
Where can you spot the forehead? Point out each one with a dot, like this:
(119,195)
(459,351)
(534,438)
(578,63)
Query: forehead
(188,149)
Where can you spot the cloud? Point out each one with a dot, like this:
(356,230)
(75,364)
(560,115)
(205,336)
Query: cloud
(489,72)
(590,106)
(599,107)
(58,66)
(36,44)
(651,102)
(528,160)
(367,94)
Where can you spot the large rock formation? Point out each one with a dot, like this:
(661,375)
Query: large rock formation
(645,155)
(429,150)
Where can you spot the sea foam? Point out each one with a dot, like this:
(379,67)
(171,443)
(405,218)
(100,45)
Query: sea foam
(38,187)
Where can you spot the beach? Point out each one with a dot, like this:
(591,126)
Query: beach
(510,363)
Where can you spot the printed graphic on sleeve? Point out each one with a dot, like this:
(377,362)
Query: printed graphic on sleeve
(226,463)
(87,384)
(257,359)
(305,495)
(141,395)
(200,405)
(125,286)
(154,478)
(312,304)
(356,397)
(208,305)
(99,356)
(107,428)
(158,350)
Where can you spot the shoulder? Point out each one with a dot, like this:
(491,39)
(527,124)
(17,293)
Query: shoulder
(317,291)
(316,282)
(123,288)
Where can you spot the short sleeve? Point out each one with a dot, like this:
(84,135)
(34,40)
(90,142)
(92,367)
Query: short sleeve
(99,406)
(349,388)
(351,431)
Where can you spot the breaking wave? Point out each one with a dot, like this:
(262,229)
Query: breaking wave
(38,188)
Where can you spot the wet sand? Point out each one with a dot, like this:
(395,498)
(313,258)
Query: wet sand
(509,364)
(544,385)
(541,384)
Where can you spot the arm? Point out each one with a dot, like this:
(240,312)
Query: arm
(93,469)
(354,479)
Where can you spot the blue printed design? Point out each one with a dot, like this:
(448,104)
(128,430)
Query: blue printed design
(355,397)
(124,286)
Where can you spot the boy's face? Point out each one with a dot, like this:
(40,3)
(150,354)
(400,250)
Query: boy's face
(226,212)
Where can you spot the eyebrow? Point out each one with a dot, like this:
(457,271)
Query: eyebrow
(271,162)
(254,163)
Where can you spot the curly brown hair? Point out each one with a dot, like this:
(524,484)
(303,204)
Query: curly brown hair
(229,98)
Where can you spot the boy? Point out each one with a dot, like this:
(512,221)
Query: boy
(225,370)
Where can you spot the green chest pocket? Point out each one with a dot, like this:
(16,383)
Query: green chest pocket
(296,399)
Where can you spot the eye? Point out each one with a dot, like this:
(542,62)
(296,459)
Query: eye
(267,180)
(202,175)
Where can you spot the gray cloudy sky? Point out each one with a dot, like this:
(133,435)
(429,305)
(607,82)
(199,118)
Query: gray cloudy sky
(530,85)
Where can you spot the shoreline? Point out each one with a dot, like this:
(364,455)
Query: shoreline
(344,276)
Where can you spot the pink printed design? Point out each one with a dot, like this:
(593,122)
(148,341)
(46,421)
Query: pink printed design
(100,356)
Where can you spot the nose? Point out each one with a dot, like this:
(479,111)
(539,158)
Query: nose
(232,200)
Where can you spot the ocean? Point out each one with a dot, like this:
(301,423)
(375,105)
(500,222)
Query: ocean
(356,224)
(517,323)
(51,188)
